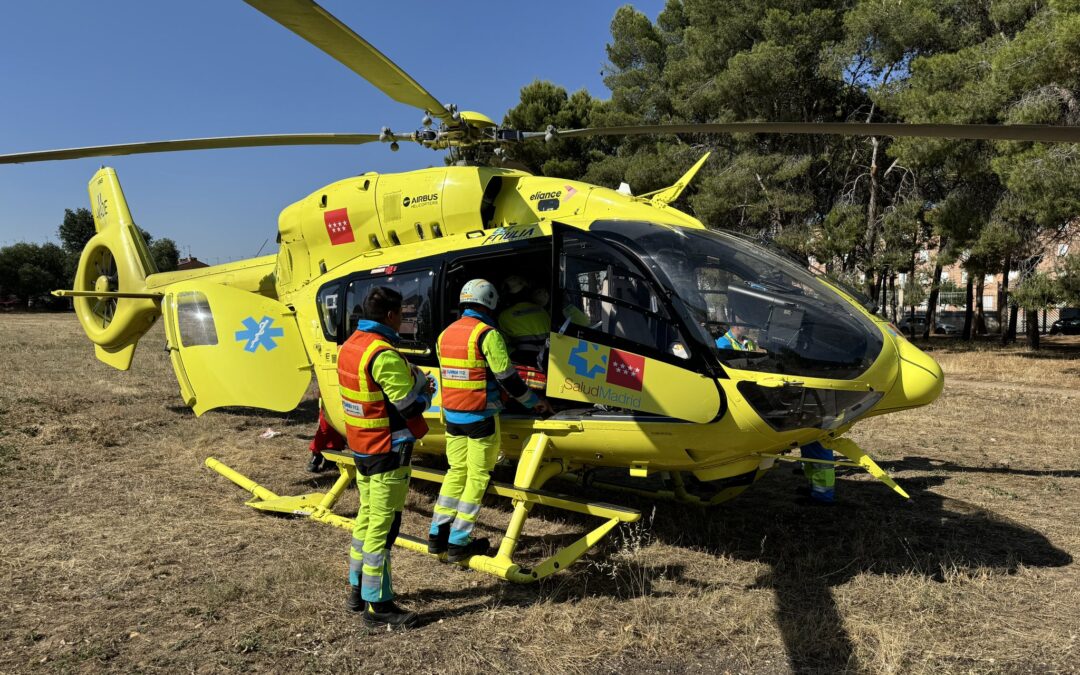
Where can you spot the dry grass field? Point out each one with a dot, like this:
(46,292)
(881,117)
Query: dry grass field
(122,552)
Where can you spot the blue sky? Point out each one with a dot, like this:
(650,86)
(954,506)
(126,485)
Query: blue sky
(78,73)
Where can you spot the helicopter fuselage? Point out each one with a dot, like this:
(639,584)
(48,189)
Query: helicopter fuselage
(638,386)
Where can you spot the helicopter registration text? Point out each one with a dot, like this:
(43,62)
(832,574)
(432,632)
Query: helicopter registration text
(503,235)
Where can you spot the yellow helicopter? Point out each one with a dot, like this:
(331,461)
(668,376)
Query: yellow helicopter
(639,292)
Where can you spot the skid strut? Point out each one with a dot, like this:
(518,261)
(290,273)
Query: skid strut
(532,472)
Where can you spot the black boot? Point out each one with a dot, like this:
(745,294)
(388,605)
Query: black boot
(355,603)
(438,543)
(456,553)
(317,463)
(389,614)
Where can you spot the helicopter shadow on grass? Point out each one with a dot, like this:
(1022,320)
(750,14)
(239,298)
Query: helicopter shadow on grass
(809,550)
(307,412)
(916,463)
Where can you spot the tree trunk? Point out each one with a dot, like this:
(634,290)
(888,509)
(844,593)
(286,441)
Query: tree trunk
(1032,317)
(882,293)
(893,298)
(1013,312)
(980,319)
(1003,302)
(871,207)
(969,307)
(935,289)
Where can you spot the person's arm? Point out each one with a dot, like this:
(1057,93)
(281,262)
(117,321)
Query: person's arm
(498,359)
(407,393)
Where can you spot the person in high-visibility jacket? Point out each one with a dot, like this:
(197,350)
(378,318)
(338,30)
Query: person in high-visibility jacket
(524,323)
(473,364)
(737,339)
(570,313)
(822,477)
(384,398)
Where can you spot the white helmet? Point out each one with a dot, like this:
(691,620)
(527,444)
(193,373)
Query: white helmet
(480,292)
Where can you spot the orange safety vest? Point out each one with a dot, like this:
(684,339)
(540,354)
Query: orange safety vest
(371,421)
(463,370)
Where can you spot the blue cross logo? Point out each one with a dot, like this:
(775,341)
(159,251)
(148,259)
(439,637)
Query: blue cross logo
(586,360)
(259,333)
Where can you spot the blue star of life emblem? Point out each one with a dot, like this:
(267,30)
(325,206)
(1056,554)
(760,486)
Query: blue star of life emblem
(586,360)
(259,333)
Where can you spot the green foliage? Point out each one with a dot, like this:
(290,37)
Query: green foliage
(1038,291)
(165,254)
(30,271)
(916,288)
(76,230)
(858,206)
(1069,280)
(543,104)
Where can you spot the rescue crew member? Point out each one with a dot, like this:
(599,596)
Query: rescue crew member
(524,323)
(822,477)
(384,398)
(736,338)
(569,312)
(326,438)
(473,364)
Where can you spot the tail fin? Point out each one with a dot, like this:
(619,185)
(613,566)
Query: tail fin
(669,194)
(115,259)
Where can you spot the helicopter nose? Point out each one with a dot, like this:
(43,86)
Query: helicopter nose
(919,379)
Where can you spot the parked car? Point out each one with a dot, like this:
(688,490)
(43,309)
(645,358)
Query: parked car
(918,324)
(1065,327)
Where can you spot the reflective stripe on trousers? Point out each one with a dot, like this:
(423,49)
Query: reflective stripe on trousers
(822,477)
(378,521)
(471,461)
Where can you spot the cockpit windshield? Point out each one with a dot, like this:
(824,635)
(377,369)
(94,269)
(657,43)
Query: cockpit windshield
(754,309)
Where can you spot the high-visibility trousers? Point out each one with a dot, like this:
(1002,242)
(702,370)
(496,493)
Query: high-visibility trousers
(822,477)
(382,499)
(471,458)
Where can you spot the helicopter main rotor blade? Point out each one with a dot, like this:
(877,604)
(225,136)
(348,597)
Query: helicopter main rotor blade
(986,132)
(328,33)
(190,144)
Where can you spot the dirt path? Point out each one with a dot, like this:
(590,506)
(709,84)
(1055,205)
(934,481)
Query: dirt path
(952,382)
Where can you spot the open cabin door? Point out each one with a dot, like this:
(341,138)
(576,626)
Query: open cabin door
(614,341)
(234,348)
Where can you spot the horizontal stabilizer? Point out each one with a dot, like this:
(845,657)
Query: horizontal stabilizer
(669,194)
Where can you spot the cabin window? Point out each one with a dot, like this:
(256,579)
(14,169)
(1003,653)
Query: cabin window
(194,320)
(531,264)
(604,290)
(417,314)
(330,305)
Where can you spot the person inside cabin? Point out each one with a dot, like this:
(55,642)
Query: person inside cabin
(524,322)
(736,338)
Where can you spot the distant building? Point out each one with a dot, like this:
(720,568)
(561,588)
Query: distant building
(191,263)
(1049,259)
(951,303)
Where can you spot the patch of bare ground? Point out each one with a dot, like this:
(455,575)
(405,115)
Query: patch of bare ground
(121,552)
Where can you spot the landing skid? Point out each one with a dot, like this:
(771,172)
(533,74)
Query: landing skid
(532,472)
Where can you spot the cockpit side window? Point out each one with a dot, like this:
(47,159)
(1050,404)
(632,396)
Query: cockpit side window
(329,303)
(604,290)
(417,310)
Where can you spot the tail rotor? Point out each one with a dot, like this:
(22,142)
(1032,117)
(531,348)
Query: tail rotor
(111,297)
